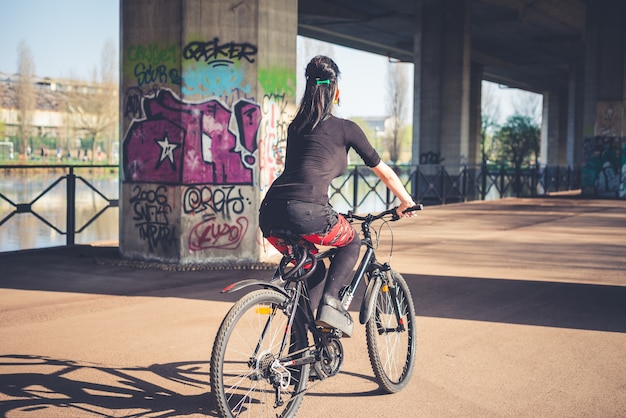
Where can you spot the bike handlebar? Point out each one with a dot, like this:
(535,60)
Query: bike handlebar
(373,217)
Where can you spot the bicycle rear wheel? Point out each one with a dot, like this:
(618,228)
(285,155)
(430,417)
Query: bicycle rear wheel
(248,372)
(391,335)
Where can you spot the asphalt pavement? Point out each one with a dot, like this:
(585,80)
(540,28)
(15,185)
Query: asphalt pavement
(520,303)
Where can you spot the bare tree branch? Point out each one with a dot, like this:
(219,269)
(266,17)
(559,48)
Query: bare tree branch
(25,95)
(397,96)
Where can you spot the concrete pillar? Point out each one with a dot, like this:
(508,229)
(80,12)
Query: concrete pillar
(553,150)
(207,89)
(574,147)
(475,136)
(604,110)
(442,83)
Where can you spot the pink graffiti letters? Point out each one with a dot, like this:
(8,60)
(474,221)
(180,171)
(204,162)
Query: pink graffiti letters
(206,151)
(212,234)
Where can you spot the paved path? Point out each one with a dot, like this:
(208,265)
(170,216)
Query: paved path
(521,312)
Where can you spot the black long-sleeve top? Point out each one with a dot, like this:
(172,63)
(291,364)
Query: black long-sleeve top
(313,160)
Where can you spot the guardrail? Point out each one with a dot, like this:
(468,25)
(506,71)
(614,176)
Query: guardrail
(437,185)
(358,189)
(70,187)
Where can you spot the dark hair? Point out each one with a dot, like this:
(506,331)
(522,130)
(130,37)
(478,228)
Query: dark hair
(321,82)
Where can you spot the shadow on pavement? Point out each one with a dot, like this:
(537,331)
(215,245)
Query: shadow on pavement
(44,386)
(540,303)
(548,304)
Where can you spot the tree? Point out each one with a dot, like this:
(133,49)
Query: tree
(526,103)
(518,141)
(95,106)
(25,95)
(489,115)
(397,89)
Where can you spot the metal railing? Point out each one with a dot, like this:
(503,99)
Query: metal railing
(359,189)
(436,185)
(71,180)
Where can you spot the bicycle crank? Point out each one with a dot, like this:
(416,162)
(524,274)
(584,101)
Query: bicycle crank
(331,358)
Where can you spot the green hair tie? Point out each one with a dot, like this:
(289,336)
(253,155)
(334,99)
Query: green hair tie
(318,81)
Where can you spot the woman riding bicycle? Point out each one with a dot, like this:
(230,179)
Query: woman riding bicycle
(317,152)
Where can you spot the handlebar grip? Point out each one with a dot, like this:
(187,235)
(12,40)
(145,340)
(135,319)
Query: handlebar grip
(419,206)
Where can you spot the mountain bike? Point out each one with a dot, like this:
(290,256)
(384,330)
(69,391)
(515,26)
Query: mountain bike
(263,359)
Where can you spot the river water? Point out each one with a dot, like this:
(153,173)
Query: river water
(23,187)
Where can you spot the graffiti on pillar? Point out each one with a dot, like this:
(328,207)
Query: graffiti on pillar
(209,148)
(622,186)
(609,118)
(431,157)
(153,63)
(133,97)
(279,86)
(226,201)
(151,211)
(602,163)
(214,68)
(223,223)
(277,80)
(272,138)
(191,143)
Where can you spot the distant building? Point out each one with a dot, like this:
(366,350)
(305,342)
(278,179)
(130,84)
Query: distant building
(56,123)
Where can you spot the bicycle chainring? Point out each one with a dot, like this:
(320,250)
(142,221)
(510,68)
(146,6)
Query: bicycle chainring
(331,357)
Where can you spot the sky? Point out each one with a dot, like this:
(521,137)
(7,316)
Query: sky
(66,38)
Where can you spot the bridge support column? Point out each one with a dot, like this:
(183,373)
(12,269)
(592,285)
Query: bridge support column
(475,135)
(553,133)
(441,120)
(207,91)
(605,100)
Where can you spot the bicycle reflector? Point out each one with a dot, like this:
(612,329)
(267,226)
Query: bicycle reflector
(264,310)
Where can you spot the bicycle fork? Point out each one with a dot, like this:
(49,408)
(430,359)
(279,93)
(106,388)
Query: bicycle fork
(389,287)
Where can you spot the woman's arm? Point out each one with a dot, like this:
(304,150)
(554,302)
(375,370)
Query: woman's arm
(393,183)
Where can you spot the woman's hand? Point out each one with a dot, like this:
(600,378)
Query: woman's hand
(404,206)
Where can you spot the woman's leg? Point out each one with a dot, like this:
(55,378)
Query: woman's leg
(345,239)
(330,313)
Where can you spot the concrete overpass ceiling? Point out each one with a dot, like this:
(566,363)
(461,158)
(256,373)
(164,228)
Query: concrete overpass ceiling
(529,44)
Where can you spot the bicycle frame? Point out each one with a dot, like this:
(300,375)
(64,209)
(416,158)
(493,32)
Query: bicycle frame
(281,356)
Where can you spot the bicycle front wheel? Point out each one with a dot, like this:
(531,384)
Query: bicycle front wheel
(391,335)
(250,375)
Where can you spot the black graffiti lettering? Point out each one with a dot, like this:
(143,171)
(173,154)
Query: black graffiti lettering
(431,157)
(151,196)
(157,235)
(225,201)
(132,108)
(150,211)
(148,74)
(175,77)
(212,51)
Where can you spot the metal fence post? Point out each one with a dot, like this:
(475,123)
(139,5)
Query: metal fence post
(483,167)
(355,190)
(71,208)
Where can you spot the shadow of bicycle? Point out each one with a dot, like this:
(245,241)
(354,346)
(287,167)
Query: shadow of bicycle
(42,386)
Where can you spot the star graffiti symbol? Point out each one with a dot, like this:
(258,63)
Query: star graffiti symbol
(167,149)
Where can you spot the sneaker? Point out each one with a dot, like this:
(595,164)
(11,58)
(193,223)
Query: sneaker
(331,314)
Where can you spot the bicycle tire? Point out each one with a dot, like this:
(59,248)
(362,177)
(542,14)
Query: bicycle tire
(239,377)
(392,352)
